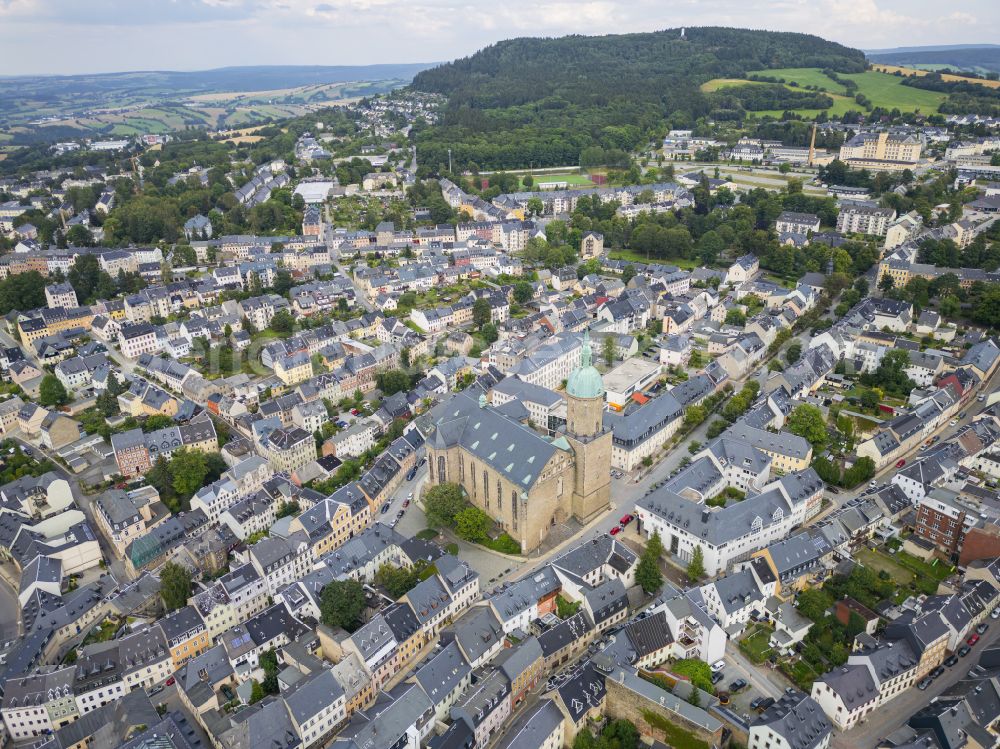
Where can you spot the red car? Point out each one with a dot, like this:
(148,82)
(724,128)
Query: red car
(170,681)
(617,529)
(626,519)
(354,412)
(901,463)
(973,639)
(406,503)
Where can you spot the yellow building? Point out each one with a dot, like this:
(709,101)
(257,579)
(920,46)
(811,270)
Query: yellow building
(887,152)
(186,634)
(293,369)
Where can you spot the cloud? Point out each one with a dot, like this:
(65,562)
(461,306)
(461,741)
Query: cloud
(46,35)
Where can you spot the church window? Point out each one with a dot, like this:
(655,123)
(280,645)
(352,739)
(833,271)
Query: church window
(441,472)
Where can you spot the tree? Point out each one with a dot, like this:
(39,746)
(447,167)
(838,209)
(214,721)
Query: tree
(523,292)
(22,291)
(188,469)
(794,352)
(392,381)
(341,604)
(473,524)
(51,392)
(442,503)
(397,581)
(807,422)
(175,585)
(481,313)
(535,207)
(647,573)
(157,421)
(813,603)
(282,322)
(696,567)
(608,349)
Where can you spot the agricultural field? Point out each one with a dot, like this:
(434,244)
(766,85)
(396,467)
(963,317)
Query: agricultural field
(925,69)
(882,89)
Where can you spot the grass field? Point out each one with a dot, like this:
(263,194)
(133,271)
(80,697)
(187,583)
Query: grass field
(882,89)
(637,257)
(803,77)
(719,83)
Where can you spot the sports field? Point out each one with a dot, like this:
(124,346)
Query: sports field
(579,180)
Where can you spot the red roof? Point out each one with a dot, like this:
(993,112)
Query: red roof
(640,398)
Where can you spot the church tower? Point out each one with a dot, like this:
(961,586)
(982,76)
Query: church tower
(586,434)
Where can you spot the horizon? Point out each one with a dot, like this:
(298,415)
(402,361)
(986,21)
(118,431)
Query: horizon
(44,37)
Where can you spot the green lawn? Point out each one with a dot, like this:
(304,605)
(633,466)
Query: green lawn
(888,91)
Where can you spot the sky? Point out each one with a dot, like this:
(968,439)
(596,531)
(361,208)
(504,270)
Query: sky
(90,36)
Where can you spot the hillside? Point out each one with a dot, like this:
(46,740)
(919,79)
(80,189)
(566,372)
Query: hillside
(976,58)
(558,101)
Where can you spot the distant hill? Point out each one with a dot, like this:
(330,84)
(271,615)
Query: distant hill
(973,57)
(548,101)
(40,108)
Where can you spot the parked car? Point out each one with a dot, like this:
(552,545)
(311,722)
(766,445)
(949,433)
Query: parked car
(973,639)
(995,614)
(718,665)
(737,685)
(170,681)
(951,660)
(901,463)
(982,628)
(964,651)
(760,704)
(924,683)
(616,530)
(717,677)
(626,519)
(406,503)
(341,423)
(400,513)
(938,670)
(385,508)
(354,412)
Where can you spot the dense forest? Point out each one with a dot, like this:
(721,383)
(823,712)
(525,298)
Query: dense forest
(543,101)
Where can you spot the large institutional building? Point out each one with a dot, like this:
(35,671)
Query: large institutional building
(526,481)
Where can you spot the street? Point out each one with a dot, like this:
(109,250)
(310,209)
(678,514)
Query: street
(896,713)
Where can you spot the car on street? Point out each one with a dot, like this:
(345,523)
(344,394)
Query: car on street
(973,639)
(626,519)
(385,508)
(410,495)
(938,670)
(718,665)
(400,513)
(616,530)
(924,683)
(735,686)
(170,681)
(995,614)
(981,629)
(964,651)
(873,484)
(341,423)
(901,463)
(406,503)
(951,660)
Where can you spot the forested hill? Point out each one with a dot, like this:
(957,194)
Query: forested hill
(544,100)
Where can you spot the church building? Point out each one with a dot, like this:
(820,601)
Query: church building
(527,482)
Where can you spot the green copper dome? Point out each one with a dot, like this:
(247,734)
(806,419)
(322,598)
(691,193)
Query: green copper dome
(585,381)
